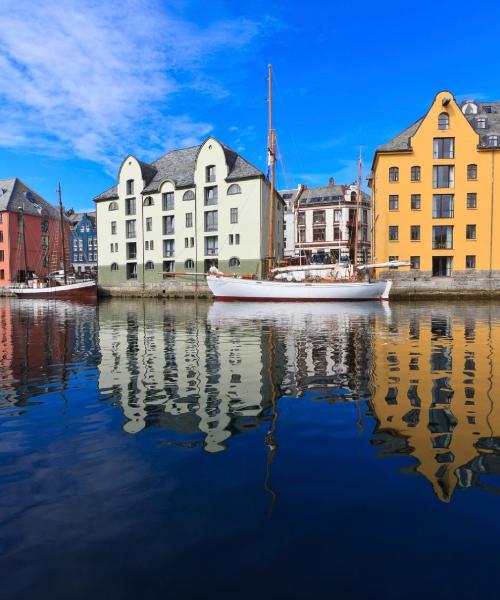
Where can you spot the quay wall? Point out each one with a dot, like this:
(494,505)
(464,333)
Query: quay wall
(461,284)
(166,289)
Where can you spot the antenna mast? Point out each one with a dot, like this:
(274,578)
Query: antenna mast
(271,149)
(61,213)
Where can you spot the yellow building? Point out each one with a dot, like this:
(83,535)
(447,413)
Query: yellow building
(434,188)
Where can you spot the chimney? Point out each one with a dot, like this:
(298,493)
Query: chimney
(331,181)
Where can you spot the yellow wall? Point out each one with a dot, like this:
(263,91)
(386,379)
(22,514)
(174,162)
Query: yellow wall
(466,152)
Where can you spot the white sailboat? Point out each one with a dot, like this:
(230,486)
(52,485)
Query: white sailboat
(288,287)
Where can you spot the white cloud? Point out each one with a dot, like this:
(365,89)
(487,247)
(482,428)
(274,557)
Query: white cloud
(97,79)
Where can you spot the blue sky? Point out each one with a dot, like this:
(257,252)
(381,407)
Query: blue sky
(85,82)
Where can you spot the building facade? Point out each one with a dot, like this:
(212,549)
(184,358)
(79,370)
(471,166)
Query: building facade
(435,190)
(30,234)
(321,221)
(191,209)
(83,242)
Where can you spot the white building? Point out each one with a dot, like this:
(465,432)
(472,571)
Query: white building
(190,209)
(321,221)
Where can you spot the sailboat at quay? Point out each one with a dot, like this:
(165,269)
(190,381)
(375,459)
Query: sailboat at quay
(298,283)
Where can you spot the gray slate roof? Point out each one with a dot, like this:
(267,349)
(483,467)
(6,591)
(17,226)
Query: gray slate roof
(16,196)
(402,141)
(179,166)
(75,218)
(320,195)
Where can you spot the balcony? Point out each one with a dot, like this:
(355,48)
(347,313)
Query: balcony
(211,227)
(168,230)
(212,251)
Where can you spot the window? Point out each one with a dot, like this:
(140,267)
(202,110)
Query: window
(231,239)
(393,173)
(442,237)
(211,220)
(301,218)
(414,262)
(481,122)
(114,266)
(487,109)
(234,262)
(393,233)
(112,247)
(2,273)
(472,171)
(113,206)
(444,148)
(237,239)
(211,245)
(189,195)
(1,236)
(168,267)
(443,121)
(167,201)
(130,206)
(441,266)
(149,223)
(189,264)
(169,225)
(493,140)
(470,232)
(131,251)
(149,245)
(393,259)
(150,266)
(210,174)
(470,261)
(210,195)
(148,201)
(82,228)
(116,247)
(45,240)
(472,200)
(415,201)
(131,270)
(186,242)
(337,215)
(319,234)
(319,217)
(233,189)
(443,176)
(393,202)
(130,187)
(2,255)
(234,216)
(442,206)
(336,234)
(415,173)
(189,220)
(168,248)
(415,233)
(130,229)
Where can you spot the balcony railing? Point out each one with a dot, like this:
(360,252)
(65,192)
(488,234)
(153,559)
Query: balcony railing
(212,251)
(130,234)
(168,253)
(211,227)
(168,230)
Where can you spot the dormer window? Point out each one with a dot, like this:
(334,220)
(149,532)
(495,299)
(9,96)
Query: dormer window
(130,187)
(493,140)
(487,109)
(148,201)
(481,122)
(444,121)
(210,172)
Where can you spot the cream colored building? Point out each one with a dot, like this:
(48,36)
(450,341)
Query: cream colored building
(190,209)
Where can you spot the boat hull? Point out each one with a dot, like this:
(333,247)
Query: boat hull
(85,290)
(244,290)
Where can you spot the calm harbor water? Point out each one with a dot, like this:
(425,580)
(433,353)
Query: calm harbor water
(199,450)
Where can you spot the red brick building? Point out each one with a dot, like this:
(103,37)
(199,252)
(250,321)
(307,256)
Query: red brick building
(30,234)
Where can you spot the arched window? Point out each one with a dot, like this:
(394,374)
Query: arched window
(114,266)
(444,121)
(113,206)
(234,262)
(233,189)
(150,266)
(189,195)
(189,264)
(353,196)
(471,171)
(148,201)
(393,173)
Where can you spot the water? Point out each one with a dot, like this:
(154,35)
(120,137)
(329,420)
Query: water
(197,450)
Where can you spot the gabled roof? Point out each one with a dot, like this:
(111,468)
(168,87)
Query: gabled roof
(15,196)
(76,218)
(179,166)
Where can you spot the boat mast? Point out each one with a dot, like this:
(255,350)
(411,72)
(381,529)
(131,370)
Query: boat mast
(23,233)
(356,224)
(61,214)
(271,148)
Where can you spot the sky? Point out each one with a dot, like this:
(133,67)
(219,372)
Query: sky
(86,82)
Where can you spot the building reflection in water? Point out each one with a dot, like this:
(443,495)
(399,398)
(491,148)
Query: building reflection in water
(434,379)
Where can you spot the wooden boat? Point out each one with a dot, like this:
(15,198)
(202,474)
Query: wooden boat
(301,290)
(59,288)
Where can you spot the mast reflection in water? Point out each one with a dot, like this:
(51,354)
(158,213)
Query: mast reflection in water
(196,419)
